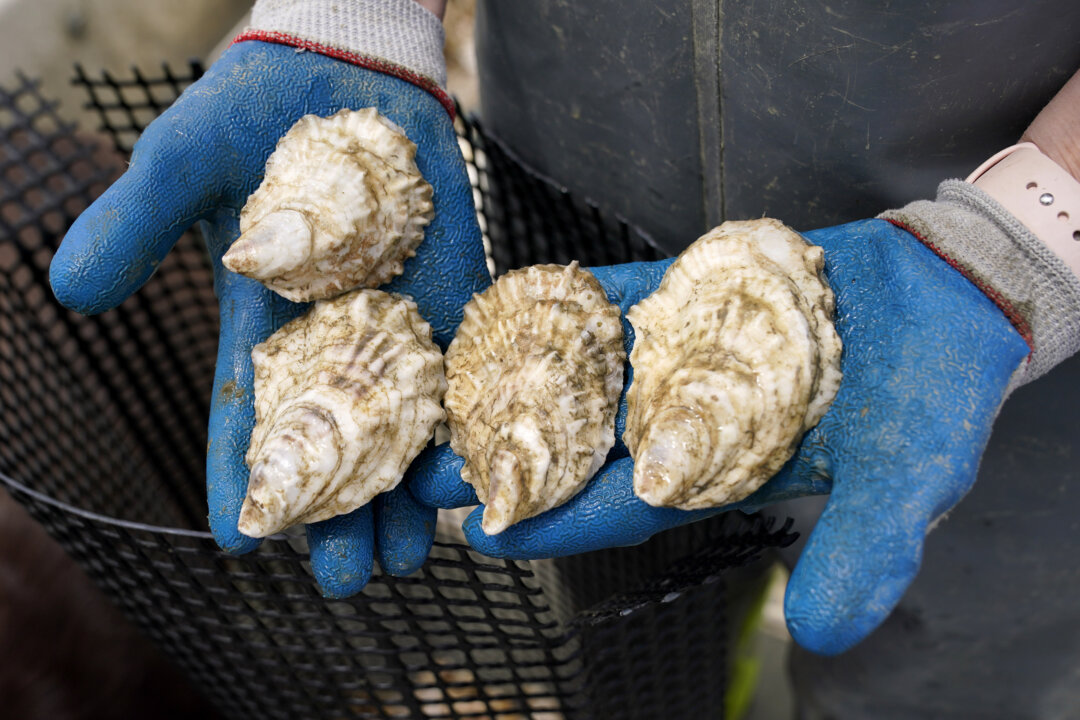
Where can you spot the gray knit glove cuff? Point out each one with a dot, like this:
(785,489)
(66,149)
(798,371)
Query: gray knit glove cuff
(1033,287)
(396,37)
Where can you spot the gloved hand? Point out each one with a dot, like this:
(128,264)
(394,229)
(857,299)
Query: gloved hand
(926,362)
(199,162)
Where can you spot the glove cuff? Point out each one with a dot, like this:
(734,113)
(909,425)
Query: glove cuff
(394,37)
(1032,285)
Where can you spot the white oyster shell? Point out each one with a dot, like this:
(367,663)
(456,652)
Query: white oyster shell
(735,357)
(341,206)
(534,376)
(346,397)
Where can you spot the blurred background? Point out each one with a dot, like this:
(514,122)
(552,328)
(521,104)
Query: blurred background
(64,651)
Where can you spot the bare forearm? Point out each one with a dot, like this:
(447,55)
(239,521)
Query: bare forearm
(1056,130)
(437,7)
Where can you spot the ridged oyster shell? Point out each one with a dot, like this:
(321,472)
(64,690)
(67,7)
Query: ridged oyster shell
(341,206)
(735,357)
(534,376)
(346,396)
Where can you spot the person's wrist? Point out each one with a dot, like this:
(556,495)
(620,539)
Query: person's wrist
(435,7)
(1038,180)
(1040,193)
(1056,129)
(402,38)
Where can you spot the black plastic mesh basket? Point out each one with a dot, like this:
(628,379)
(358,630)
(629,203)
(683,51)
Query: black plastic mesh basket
(103,436)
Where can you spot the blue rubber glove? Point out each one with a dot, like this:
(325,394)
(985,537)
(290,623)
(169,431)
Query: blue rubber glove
(926,362)
(199,162)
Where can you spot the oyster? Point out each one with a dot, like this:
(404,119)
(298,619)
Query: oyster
(534,376)
(735,357)
(345,397)
(341,206)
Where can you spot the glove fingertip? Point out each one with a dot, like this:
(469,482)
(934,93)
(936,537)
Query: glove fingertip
(118,242)
(434,479)
(529,539)
(821,628)
(402,564)
(69,290)
(230,539)
(79,278)
(840,592)
(339,585)
(342,556)
(404,532)
(491,545)
(812,630)
(394,566)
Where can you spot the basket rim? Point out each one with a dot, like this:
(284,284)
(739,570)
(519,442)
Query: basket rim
(98,517)
(138,526)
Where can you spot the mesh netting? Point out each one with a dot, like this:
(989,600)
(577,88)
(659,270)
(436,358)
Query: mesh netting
(103,437)
(528,219)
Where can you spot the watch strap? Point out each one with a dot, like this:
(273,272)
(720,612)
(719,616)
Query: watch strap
(1039,193)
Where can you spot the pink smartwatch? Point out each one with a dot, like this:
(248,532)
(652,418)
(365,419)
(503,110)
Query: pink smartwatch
(1039,193)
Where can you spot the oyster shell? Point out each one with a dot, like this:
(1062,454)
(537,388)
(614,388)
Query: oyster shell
(534,376)
(341,206)
(735,357)
(346,397)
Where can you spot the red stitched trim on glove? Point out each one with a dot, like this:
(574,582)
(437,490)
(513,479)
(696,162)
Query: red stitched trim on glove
(363,61)
(1018,321)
